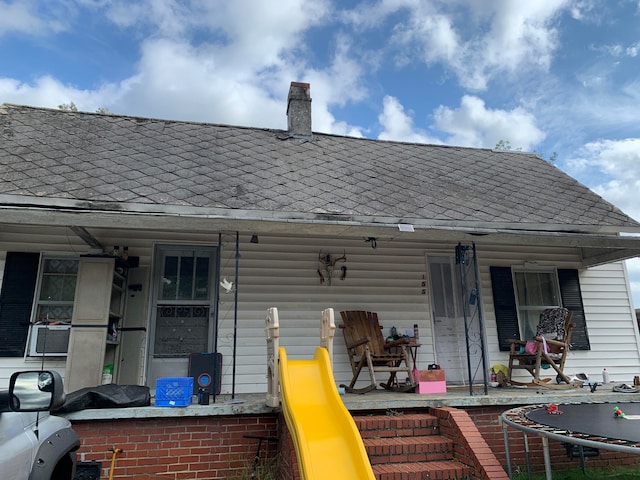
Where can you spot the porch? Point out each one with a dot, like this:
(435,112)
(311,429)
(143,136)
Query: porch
(456,397)
(210,441)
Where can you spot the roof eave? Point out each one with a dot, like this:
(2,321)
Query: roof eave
(599,244)
(19,205)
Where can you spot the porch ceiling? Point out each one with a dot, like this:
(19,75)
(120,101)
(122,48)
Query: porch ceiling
(597,246)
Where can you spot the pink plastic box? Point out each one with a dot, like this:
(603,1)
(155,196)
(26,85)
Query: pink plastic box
(431,381)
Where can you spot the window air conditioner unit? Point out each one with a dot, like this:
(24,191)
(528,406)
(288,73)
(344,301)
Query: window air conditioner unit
(49,340)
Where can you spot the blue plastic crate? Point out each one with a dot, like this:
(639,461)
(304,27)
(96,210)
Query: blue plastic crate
(174,392)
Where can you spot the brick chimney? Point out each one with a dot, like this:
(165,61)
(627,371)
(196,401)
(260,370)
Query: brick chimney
(299,110)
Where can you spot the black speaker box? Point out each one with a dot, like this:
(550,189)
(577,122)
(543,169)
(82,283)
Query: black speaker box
(205,368)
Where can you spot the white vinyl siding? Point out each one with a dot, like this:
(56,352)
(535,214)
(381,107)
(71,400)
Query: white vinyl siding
(281,271)
(609,313)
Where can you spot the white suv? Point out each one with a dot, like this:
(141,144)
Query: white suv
(35,445)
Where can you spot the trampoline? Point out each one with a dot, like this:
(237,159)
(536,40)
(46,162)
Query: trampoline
(593,425)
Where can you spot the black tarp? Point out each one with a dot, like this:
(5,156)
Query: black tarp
(107,396)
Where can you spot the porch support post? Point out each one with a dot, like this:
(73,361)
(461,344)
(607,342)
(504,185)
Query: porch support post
(485,368)
(216,313)
(235,320)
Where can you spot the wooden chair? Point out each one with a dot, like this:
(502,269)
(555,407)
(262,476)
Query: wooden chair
(555,326)
(367,349)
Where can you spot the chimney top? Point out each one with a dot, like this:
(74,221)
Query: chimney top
(299,110)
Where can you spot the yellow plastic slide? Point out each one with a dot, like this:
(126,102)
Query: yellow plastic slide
(327,442)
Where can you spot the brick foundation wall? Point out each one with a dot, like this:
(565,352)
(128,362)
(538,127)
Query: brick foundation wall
(206,448)
(288,459)
(177,448)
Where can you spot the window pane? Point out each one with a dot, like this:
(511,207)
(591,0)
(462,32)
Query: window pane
(185,284)
(202,278)
(58,282)
(444,284)
(54,313)
(536,291)
(186,277)
(60,265)
(169,278)
(56,290)
(438,289)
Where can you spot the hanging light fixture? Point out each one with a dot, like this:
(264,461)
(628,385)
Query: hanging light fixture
(254,238)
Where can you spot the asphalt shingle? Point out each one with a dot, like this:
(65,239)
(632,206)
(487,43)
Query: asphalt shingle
(111,159)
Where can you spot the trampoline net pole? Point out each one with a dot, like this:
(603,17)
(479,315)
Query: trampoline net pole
(547,457)
(507,449)
(526,454)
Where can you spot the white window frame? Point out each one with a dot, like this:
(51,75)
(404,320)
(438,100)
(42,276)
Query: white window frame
(36,323)
(529,314)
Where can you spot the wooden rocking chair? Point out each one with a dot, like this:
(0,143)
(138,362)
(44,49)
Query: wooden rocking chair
(367,349)
(555,326)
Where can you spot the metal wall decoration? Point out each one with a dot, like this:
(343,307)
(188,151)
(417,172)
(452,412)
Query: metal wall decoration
(327,265)
(467,263)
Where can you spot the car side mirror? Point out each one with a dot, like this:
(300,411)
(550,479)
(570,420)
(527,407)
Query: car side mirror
(35,391)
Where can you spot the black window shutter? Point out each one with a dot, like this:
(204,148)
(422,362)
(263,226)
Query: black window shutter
(504,303)
(16,298)
(572,299)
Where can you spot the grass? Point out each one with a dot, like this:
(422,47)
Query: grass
(267,469)
(614,473)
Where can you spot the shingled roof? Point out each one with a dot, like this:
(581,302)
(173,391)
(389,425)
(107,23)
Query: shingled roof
(121,163)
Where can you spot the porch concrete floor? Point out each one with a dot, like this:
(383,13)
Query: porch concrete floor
(251,404)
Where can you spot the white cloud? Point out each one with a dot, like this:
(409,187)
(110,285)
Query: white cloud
(230,90)
(584,10)
(372,14)
(240,75)
(49,92)
(617,166)
(24,17)
(398,125)
(618,50)
(473,124)
(338,84)
(483,39)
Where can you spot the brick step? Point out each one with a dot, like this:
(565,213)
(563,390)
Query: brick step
(408,449)
(445,470)
(386,426)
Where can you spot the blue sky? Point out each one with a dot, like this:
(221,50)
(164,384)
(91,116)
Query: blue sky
(547,76)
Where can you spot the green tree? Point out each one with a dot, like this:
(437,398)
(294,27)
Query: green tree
(505,145)
(71,107)
(68,107)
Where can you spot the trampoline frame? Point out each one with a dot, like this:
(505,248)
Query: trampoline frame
(516,418)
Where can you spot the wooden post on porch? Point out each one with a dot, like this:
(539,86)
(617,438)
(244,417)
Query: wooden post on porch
(327,332)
